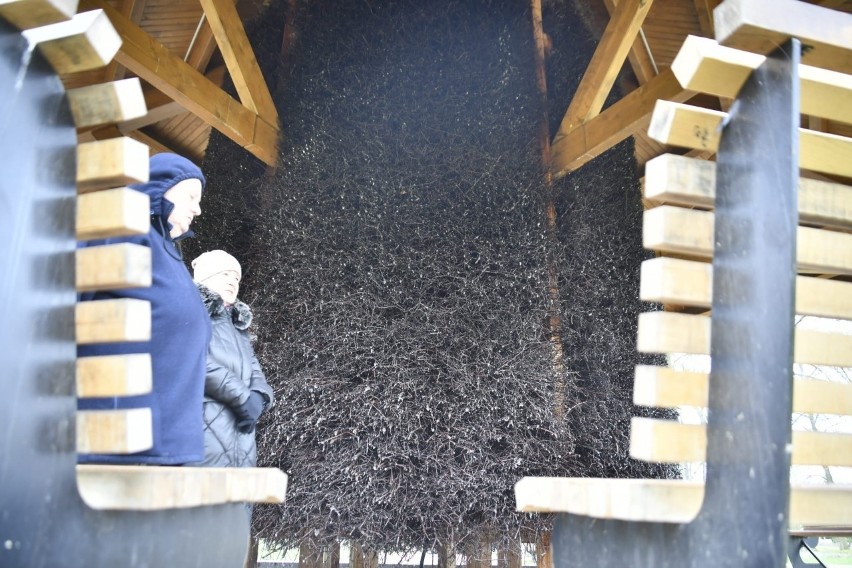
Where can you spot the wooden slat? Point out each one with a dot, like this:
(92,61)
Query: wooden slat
(239,58)
(665,500)
(155,63)
(87,41)
(668,332)
(114,431)
(107,102)
(704,66)
(690,283)
(763,25)
(139,488)
(639,55)
(668,441)
(113,321)
(689,181)
(605,64)
(664,387)
(114,375)
(112,213)
(698,128)
(614,124)
(111,163)
(690,232)
(26,14)
(113,267)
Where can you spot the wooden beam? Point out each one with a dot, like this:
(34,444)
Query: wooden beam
(704,11)
(239,58)
(113,321)
(614,124)
(26,14)
(665,500)
(202,48)
(111,163)
(140,488)
(763,25)
(154,63)
(640,57)
(106,103)
(667,332)
(705,66)
(698,128)
(114,375)
(678,282)
(114,431)
(133,9)
(113,267)
(112,213)
(668,441)
(663,387)
(605,64)
(85,42)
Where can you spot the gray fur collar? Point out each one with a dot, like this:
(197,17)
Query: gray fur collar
(240,312)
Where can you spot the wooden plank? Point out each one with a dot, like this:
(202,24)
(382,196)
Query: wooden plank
(665,500)
(690,232)
(605,64)
(113,267)
(113,321)
(668,332)
(664,387)
(668,441)
(640,57)
(114,375)
(86,41)
(140,488)
(681,282)
(114,431)
(705,66)
(115,212)
(622,119)
(763,25)
(107,102)
(239,58)
(154,63)
(111,163)
(687,181)
(26,14)
(698,128)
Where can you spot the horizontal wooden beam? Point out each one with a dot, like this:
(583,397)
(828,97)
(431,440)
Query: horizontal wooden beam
(689,283)
(113,321)
(113,267)
(680,180)
(669,441)
(85,42)
(620,120)
(705,66)
(665,500)
(140,488)
(154,63)
(115,212)
(689,232)
(111,163)
(700,129)
(114,431)
(763,25)
(26,14)
(106,103)
(114,375)
(668,332)
(663,387)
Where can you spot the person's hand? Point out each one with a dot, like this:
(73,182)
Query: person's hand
(249,411)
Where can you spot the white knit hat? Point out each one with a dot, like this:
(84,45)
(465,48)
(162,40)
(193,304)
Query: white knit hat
(212,263)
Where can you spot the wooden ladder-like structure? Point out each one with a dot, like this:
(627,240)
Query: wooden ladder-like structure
(768,232)
(53,511)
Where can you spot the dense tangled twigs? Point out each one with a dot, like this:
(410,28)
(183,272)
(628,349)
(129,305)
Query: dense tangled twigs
(397,265)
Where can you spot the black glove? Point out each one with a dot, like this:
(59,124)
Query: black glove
(249,411)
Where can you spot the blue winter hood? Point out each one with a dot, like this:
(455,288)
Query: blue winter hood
(166,171)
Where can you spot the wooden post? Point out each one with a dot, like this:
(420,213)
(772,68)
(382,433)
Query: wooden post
(331,556)
(446,555)
(310,555)
(543,551)
(509,555)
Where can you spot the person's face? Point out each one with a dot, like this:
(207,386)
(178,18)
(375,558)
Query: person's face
(226,284)
(186,197)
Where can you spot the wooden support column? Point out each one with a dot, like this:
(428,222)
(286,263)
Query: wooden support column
(509,555)
(544,551)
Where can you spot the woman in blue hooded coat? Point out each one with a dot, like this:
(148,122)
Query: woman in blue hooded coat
(180,326)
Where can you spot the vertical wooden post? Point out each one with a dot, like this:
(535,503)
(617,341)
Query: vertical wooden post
(331,556)
(509,555)
(251,558)
(356,558)
(446,555)
(543,551)
(310,555)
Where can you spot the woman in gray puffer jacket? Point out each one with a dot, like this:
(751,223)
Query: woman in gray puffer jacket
(235,389)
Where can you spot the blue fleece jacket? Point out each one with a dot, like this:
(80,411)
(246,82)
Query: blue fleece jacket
(180,333)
